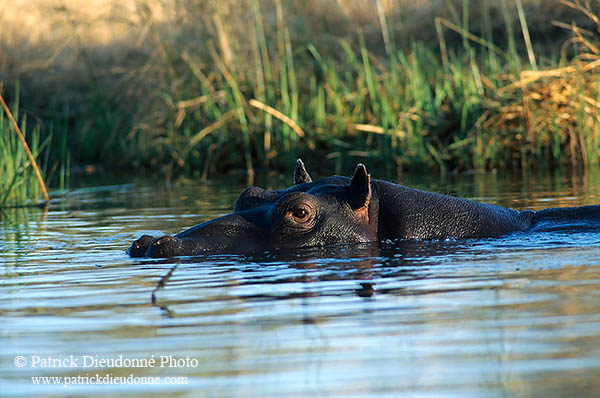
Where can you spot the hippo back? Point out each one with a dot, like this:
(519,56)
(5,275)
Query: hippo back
(410,213)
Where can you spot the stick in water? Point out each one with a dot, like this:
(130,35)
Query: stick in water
(29,154)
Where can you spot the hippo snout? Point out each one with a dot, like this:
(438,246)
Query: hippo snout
(171,246)
(165,246)
(139,246)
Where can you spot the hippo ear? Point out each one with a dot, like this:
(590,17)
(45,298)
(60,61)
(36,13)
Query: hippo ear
(360,188)
(301,176)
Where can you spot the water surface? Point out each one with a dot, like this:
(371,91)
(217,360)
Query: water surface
(515,316)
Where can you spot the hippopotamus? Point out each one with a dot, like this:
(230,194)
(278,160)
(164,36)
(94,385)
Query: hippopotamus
(349,210)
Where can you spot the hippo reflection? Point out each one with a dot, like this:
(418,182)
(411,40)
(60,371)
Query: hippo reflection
(347,210)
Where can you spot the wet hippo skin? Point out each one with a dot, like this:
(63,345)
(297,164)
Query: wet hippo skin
(349,210)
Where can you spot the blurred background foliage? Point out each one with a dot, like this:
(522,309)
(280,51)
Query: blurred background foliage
(199,87)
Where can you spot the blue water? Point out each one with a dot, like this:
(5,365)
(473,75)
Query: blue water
(514,316)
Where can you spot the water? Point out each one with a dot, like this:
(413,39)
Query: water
(515,316)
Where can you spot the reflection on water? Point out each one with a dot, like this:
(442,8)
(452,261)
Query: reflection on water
(516,316)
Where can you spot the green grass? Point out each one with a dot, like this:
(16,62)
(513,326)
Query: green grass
(19,185)
(403,105)
(417,106)
(424,111)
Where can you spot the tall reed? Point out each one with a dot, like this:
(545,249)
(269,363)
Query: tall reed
(21,183)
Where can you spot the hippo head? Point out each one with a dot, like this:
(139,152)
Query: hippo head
(310,213)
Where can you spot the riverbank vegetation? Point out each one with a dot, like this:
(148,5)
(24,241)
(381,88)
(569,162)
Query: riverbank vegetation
(18,183)
(198,88)
(24,161)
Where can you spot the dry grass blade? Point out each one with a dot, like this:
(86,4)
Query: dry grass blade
(215,126)
(367,128)
(528,77)
(192,102)
(526,36)
(583,40)
(567,26)
(468,35)
(585,10)
(442,41)
(274,112)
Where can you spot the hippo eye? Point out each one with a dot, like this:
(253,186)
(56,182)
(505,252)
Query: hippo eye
(300,214)
(297,210)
